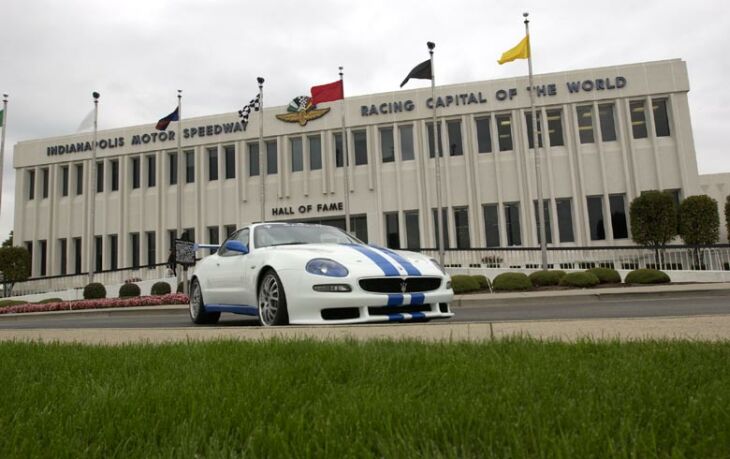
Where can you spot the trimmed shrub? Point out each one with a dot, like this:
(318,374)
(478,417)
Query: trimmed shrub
(482,281)
(542,278)
(129,290)
(509,282)
(647,276)
(160,288)
(606,275)
(580,280)
(463,284)
(94,291)
(8,303)
(179,287)
(49,300)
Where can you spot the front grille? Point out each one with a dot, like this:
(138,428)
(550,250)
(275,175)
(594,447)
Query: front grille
(395,284)
(340,313)
(387,310)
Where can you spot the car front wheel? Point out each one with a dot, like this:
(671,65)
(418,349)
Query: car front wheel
(198,314)
(272,301)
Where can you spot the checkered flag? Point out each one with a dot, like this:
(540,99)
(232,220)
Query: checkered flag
(244,113)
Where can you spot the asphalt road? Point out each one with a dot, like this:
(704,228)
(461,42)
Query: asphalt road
(583,307)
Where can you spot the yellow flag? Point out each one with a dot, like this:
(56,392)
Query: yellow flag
(521,51)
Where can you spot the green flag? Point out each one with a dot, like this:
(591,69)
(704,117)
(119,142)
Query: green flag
(2,116)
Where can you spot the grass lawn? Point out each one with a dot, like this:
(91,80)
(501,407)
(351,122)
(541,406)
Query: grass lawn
(511,398)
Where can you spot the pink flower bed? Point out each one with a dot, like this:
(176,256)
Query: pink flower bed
(105,303)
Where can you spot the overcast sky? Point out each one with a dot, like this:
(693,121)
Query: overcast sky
(137,53)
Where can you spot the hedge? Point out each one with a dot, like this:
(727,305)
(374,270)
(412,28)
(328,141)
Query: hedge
(94,291)
(606,275)
(580,280)
(160,288)
(8,303)
(129,290)
(511,282)
(462,284)
(49,300)
(482,281)
(545,277)
(647,276)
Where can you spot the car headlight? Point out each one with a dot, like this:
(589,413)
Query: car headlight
(326,267)
(438,265)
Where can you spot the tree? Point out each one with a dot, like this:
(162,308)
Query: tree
(653,220)
(699,222)
(727,216)
(9,241)
(15,266)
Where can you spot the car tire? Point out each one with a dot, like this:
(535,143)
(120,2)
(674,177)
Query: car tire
(198,314)
(272,300)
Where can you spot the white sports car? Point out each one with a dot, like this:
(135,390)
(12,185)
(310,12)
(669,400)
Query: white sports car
(293,273)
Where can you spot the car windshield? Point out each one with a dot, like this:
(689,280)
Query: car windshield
(271,235)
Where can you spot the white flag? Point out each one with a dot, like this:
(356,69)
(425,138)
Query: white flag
(87,123)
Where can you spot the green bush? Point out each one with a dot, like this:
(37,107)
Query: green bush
(7,303)
(179,287)
(129,290)
(647,276)
(545,277)
(482,281)
(462,284)
(49,300)
(160,288)
(94,291)
(579,279)
(508,282)
(606,275)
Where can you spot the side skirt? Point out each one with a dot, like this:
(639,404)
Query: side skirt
(234,308)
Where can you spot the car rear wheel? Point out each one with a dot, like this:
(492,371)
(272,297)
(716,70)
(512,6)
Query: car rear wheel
(272,301)
(198,314)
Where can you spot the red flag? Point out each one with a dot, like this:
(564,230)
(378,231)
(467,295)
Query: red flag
(327,92)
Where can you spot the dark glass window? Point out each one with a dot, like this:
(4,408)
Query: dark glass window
(618,216)
(230,229)
(212,164)
(272,160)
(230,157)
(392,230)
(530,139)
(151,171)
(608,123)
(77,255)
(546,216)
(151,248)
(361,147)
(461,223)
(444,222)
(31,185)
(315,152)
(413,229)
(134,245)
(188,234)
(491,224)
(297,155)
(172,160)
(44,182)
(339,158)
(253,159)
(113,251)
(64,181)
(504,132)
(98,252)
(29,248)
(638,119)
(171,236)
(135,173)
(189,166)
(79,179)
(43,248)
(585,123)
(431,153)
(595,218)
(406,142)
(676,196)
(512,223)
(565,219)
(100,177)
(555,127)
(455,145)
(115,174)
(484,135)
(661,117)
(359,225)
(213,237)
(387,145)
(63,249)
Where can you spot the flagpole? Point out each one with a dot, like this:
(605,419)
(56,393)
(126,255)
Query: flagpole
(92,191)
(261,149)
(535,144)
(180,166)
(346,157)
(437,152)
(2,145)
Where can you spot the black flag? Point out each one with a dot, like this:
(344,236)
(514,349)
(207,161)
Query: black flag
(422,72)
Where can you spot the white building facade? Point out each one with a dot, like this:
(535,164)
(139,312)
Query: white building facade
(607,135)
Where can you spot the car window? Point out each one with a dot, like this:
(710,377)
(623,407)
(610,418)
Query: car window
(240,235)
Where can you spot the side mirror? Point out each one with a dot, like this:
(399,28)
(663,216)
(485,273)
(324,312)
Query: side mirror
(237,246)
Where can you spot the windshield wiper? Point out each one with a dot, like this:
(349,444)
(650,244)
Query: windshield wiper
(288,243)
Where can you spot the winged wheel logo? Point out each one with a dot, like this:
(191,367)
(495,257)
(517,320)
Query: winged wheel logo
(301,110)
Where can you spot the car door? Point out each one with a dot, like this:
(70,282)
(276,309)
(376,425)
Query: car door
(230,272)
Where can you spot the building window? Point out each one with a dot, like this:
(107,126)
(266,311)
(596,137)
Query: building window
(29,248)
(188,235)
(134,246)
(44,182)
(618,216)
(456,148)
(171,236)
(212,164)
(115,174)
(315,152)
(151,248)
(504,132)
(530,138)
(555,127)
(213,237)
(546,216)
(135,173)
(253,159)
(272,161)
(189,166)
(565,219)
(405,133)
(585,123)
(100,177)
(151,171)
(484,135)
(413,229)
(491,224)
(387,145)
(361,147)
(229,229)
(172,160)
(461,222)
(430,140)
(77,255)
(338,150)
(31,185)
(392,230)
(359,225)
(638,119)
(512,223)
(297,155)
(43,249)
(608,123)
(113,251)
(676,195)
(64,181)
(79,179)
(444,222)
(98,252)
(63,252)
(661,117)
(229,151)
(595,218)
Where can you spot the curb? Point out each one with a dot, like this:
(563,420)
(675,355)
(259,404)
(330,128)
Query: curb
(161,309)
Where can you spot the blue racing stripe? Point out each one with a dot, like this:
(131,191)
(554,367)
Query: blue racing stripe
(395,299)
(418,315)
(418,298)
(407,265)
(375,257)
(395,317)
